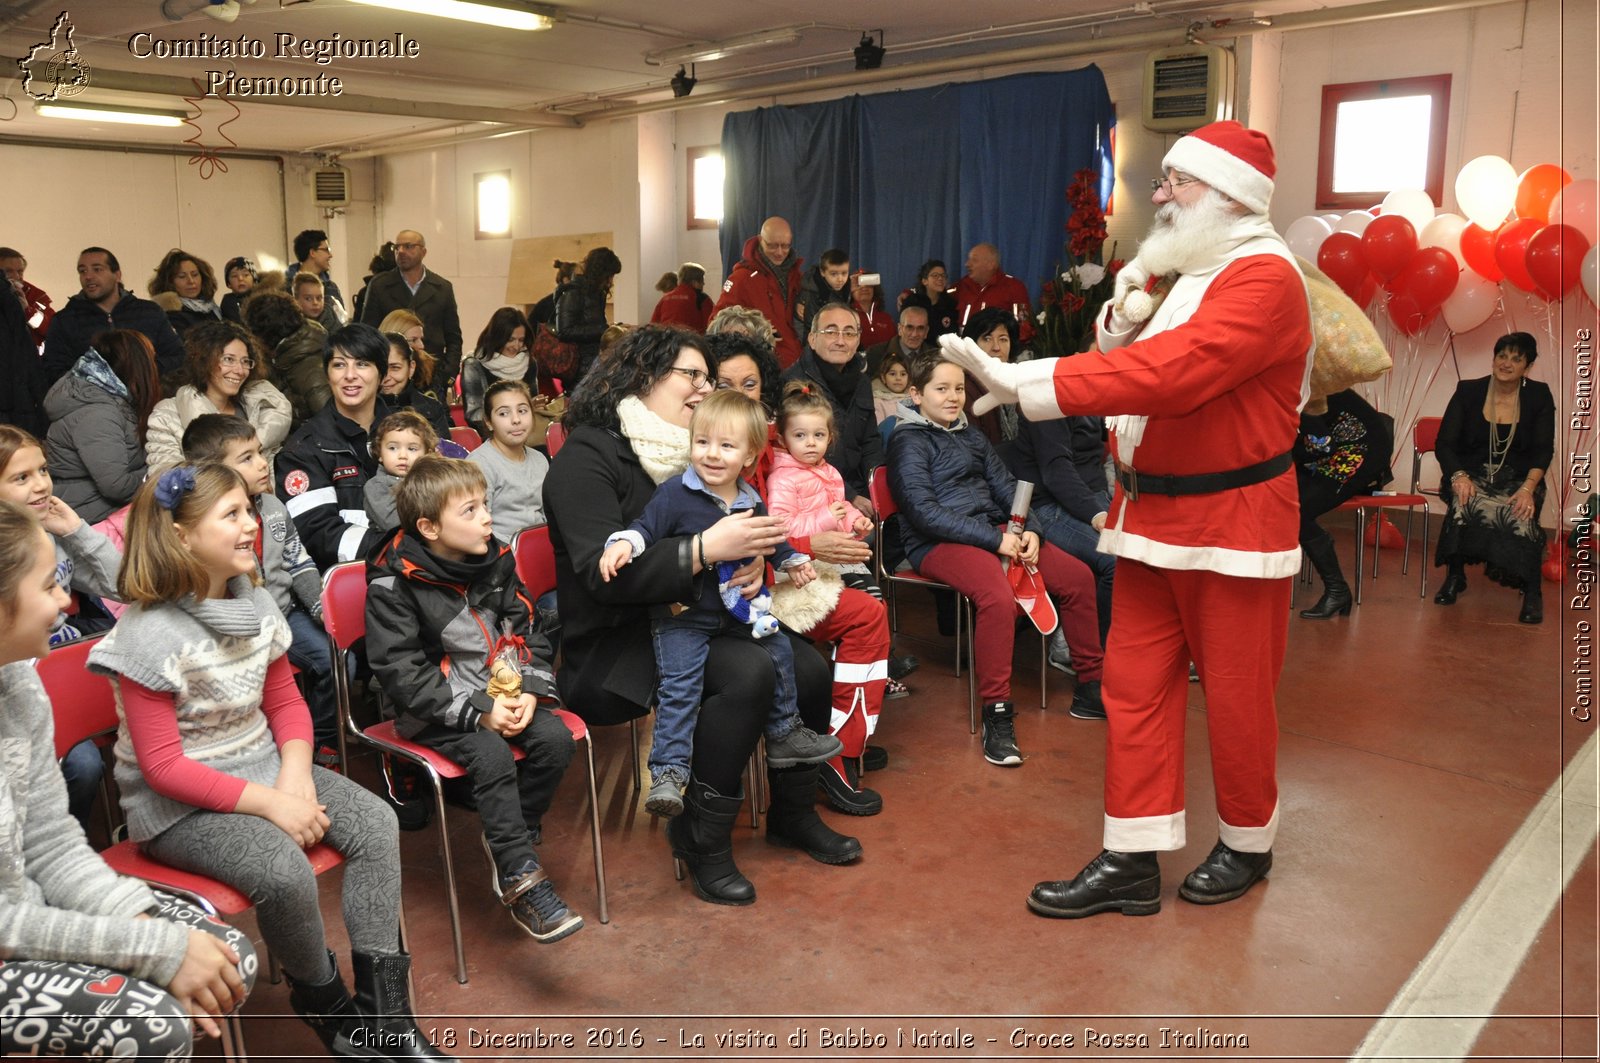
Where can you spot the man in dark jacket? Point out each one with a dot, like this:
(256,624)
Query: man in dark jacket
(910,341)
(767,279)
(314,256)
(21,401)
(836,368)
(411,287)
(103,303)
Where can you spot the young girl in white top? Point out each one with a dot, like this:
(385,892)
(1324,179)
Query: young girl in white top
(214,758)
(514,470)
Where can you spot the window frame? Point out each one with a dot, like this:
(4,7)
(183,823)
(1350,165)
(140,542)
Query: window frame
(1436,86)
(692,156)
(478,231)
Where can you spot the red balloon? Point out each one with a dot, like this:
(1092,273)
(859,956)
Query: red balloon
(1511,250)
(1477,250)
(1408,315)
(1555,258)
(1389,243)
(1369,288)
(1536,187)
(1341,258)
(1429,278)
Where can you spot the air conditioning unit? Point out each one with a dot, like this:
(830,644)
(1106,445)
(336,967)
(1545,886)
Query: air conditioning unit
(1187,87)
(330,186)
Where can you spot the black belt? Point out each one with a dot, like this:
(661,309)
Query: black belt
(1133,481)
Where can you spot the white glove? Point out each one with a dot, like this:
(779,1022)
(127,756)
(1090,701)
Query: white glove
(1130,304)
(1000,378)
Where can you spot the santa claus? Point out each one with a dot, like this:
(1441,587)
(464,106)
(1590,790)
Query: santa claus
(1205,361)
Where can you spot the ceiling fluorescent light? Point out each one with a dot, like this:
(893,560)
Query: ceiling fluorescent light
(712,50)
(106,112)
(485,14)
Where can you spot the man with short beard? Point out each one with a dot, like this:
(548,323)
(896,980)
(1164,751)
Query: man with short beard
(1204,519)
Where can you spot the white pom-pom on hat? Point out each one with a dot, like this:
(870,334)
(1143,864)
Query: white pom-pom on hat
(1138,306)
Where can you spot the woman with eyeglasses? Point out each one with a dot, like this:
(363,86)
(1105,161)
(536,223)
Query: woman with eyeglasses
(227,374)
(627,431)
(933,293)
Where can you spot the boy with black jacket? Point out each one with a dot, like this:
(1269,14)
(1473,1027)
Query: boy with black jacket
(447,621)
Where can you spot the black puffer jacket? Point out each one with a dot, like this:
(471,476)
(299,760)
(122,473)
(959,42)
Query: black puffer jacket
(856,448)
(949,484)
(581,321)
(426,614)
(77,324)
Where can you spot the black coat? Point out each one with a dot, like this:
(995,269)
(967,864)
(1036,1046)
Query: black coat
(431,410)
(77,324)
(581,321)
(1064,459)
(1464,434)
(856,448)
(434,303)
(21,400)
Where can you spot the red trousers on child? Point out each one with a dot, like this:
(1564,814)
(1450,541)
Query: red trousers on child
(978,574)
(859,629)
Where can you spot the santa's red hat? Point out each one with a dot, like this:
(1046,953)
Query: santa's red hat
(1236,161)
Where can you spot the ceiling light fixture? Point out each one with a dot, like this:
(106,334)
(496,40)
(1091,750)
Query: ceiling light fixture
(107,112)
(869,56)
(683,84)
(485,14)
(705,53)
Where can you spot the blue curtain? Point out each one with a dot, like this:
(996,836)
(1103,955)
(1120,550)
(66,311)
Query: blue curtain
(901,177)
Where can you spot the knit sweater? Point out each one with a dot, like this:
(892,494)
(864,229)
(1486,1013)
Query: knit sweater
(516,488)
(58,899)
(212,657)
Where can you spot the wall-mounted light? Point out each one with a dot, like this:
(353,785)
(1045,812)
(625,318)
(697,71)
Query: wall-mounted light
(486,14)
(869,56)
(493,201)
(682,84)
(108,112)
(705,53)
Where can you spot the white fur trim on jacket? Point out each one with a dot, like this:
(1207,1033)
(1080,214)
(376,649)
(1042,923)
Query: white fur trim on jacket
(803,608)
(1225,172)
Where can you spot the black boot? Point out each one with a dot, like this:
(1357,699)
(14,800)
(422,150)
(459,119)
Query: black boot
(383,998)
(701,839)
(1225,874)
(331,1014)
(1125,882)
(1335,600)
(792,818)
(840,783)
(1455,581)
(1532,604)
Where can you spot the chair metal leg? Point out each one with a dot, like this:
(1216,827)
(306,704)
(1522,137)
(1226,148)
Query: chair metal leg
(1405,560)
(1044,661)
(449,872)
(1361,547)
(961,609)
(972,665)
(594,830)
(232,1039)
(1422,562)
(633,746)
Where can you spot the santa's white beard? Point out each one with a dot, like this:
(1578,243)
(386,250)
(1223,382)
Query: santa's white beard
(1183,236)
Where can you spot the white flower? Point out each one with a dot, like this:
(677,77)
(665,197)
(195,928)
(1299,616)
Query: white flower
(1041,316)
(1090,274)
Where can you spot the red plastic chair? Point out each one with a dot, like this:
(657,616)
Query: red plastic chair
(344,615)
(466,436)
(554,438)
(84,705)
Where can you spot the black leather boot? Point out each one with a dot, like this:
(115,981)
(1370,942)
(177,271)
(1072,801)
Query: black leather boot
(383,998)
(1225,874)
(331,1014)
(1455,581)
(792,818)
(839,782)
(1336,599)
(1129,883)
(701,839)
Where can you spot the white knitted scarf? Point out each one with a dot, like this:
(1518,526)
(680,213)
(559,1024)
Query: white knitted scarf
(661,446)
(507,366)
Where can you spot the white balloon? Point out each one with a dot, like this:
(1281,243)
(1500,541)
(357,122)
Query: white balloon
(1472,303)
(1412,204)
(1589,273)
(1356,221)
(1305,235)
(1486,190)
(1578,205)
(1331,219)
(1444,231)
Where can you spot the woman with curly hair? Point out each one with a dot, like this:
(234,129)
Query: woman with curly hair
(184,286)
(227,374)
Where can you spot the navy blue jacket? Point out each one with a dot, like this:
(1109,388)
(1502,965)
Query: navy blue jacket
(949,484)
(684,506)
(77,324)
(1064,459)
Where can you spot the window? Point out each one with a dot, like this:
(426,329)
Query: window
(493,199)
(705,187)
(1378,136)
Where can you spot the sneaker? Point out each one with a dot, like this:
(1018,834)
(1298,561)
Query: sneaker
(666,791)
(536,907)
(900,667)
(1000,735)
(1086,703)
(893,689)
(1059,656)
(802,746)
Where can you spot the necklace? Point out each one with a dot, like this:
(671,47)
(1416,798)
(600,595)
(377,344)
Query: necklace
(1500,448)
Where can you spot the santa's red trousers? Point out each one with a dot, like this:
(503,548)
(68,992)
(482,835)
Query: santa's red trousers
(859,629)
(1235,630)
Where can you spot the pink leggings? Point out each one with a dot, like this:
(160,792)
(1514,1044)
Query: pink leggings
(978,574)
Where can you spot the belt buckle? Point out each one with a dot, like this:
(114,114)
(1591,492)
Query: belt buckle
(1130,483)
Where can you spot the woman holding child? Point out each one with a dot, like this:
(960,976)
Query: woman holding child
(627,432)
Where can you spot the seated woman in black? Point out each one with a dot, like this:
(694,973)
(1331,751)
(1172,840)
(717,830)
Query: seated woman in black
(627,430)
(1496,441)
(1338,454)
